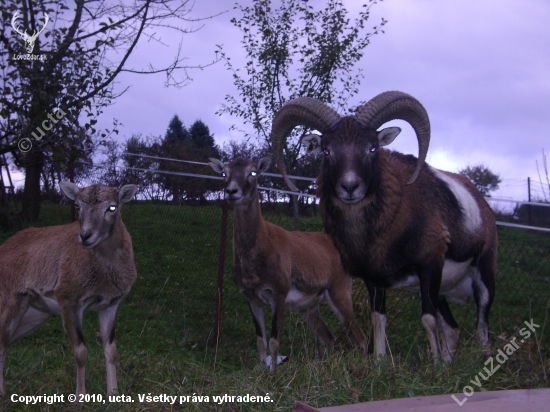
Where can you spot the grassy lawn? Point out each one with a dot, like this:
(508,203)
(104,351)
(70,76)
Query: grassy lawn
(164,326)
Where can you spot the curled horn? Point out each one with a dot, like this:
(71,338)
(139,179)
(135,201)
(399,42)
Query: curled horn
(303,111)
(398,105)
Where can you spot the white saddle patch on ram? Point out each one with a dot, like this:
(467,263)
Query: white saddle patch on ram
(470,208)
(456,282)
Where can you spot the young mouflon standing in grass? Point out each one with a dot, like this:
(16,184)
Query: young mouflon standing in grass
(274,267)
(66,270)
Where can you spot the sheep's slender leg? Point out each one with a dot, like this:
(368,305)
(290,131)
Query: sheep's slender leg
(259,324)
(449,330)
(312,317)
(107,320)
(378,316)
(340,301)
(2,361)
(72,321)
(484,293)
(4,343)
(277,314)
(12,310)
(430,282)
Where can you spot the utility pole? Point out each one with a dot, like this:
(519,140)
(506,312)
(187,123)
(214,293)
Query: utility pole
(529,199)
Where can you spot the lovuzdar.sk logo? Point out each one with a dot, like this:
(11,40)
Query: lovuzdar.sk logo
(28,39)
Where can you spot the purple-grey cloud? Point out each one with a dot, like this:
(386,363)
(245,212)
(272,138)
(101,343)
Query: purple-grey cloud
(480,68)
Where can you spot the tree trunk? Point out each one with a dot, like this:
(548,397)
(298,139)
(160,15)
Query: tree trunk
(31,192)
(295,212)
(3,195)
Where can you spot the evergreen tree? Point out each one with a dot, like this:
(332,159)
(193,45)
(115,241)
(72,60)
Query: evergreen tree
(200,134)
(195,144)
(176,133)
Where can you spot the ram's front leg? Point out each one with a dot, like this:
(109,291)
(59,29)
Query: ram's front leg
(72,322)
(107,320)
(259,324)
(277,314)
(378,317)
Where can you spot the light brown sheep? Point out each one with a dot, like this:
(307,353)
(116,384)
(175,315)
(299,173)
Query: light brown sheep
(274,267)
(66,270)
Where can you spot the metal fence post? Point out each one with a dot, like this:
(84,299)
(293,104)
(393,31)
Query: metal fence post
(221,264)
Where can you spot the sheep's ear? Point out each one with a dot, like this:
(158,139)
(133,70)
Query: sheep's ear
(263,164)
(216,164)
(387,135)
(69,189)
(126,193)
(313,143)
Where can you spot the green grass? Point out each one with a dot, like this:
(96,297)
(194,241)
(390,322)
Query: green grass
(164,325)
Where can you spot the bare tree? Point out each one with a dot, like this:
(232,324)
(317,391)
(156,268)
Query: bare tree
(295,50)
(66,82)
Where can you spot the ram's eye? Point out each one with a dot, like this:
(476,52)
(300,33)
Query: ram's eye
(224,174)
(326,152)
(373,149)
(76,207)
(253,173)
(112,208)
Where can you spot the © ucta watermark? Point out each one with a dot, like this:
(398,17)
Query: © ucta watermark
(28,39)
(25,144)
(501,357)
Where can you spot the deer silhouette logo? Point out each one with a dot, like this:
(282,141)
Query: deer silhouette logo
(29,40)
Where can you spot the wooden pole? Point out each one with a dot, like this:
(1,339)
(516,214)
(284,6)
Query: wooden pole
(221,265)
(529,198)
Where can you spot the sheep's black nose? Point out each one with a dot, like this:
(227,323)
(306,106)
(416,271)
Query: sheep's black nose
(350,186)
(231,191)
(85,236)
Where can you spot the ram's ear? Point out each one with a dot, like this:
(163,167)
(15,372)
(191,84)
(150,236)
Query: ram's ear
(313,143)
(216,164)
(263,164)
(388,135)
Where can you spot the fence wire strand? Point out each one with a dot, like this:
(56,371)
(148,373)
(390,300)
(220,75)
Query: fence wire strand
(183,245)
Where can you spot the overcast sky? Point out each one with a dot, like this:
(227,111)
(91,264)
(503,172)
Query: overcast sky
(480,67)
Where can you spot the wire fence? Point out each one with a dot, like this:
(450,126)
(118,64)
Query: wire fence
(178,246)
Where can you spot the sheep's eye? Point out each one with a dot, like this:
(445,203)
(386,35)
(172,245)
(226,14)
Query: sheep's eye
(76,207)
(326,152)
(224,174)
(253,173)
(373,149)
(112,208)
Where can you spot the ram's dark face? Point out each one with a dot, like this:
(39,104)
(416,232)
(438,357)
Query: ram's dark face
(350,155)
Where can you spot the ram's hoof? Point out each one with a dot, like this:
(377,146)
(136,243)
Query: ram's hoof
(280,359)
